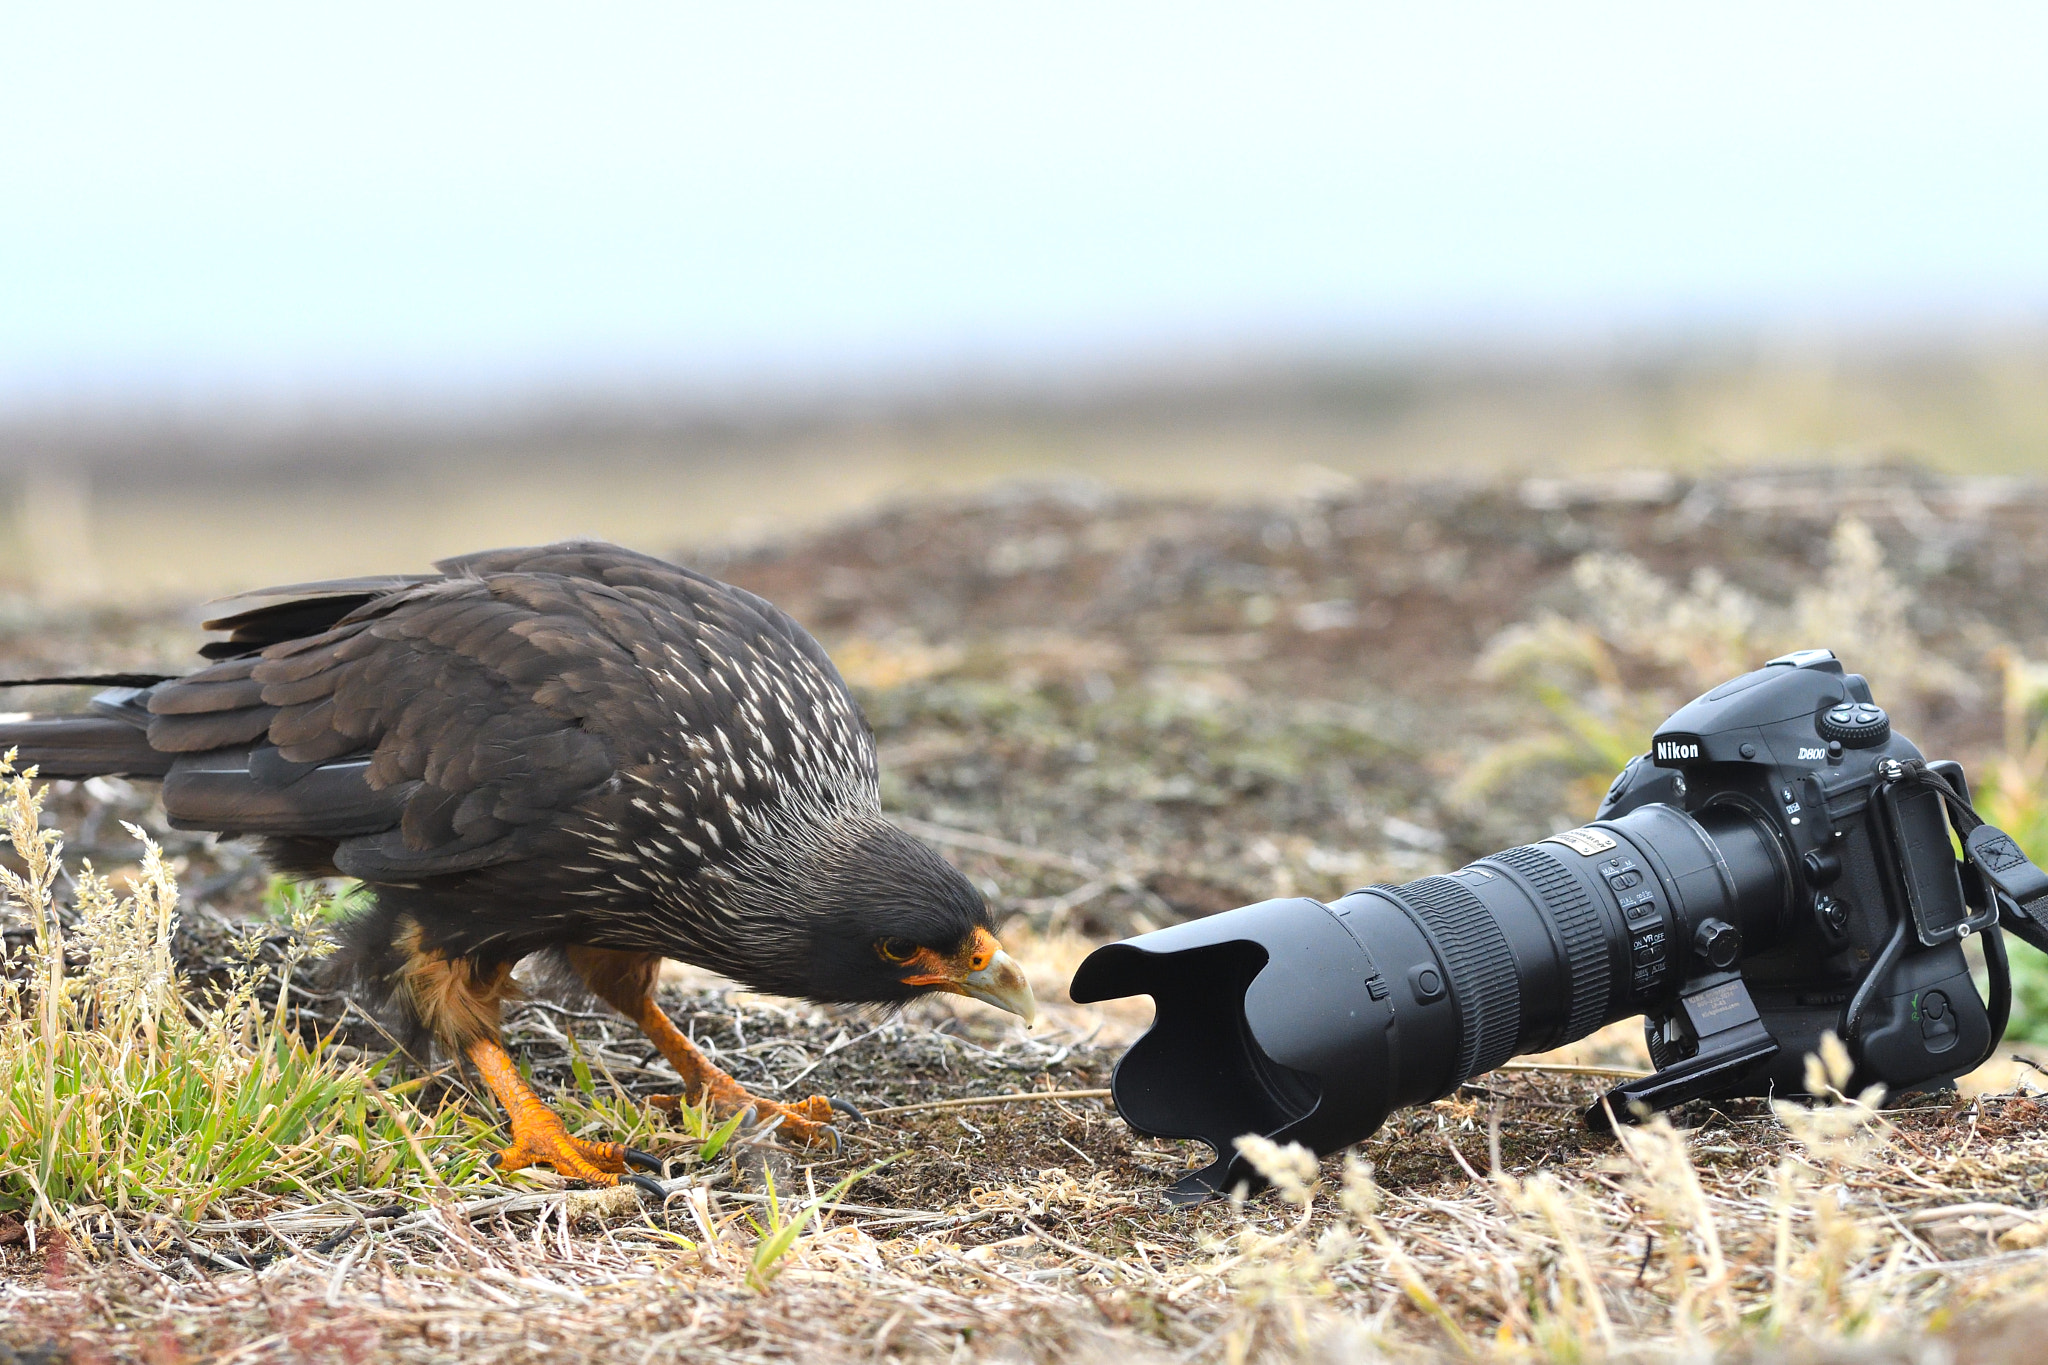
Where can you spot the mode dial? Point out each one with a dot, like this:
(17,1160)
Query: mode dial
(1857,724)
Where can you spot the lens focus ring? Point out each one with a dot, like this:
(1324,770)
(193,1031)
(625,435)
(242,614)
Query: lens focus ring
(1484,982)
(1578,925)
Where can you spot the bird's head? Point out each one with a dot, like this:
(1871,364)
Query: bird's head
(895,921)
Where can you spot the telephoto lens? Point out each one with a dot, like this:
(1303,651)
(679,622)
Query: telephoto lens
(1766,873)
(1434,982)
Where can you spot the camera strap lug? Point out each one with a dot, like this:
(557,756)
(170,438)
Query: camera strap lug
(1732,1038)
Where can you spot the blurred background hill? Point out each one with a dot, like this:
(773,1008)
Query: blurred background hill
(172,508)
(286,293)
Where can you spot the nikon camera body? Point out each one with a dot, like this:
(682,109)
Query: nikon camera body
(1866,941)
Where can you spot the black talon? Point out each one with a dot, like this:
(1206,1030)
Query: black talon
(846,1107)
(635,1157)
(641,1182)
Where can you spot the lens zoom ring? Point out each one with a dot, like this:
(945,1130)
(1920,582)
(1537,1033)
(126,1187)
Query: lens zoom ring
(1484,981)
(1578,924)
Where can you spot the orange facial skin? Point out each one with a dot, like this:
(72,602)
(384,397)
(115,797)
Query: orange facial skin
(946,973)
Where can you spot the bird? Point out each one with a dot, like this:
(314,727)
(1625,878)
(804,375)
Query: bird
(571,752)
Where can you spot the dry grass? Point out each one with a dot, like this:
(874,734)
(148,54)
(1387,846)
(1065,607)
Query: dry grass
(1489,1225)
(1657,1249)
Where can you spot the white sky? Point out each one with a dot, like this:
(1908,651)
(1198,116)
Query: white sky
(221,201)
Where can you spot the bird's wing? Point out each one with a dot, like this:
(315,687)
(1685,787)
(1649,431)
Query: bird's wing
(425,730)
(296,610)
(300,609)
(440,727)
(658,583)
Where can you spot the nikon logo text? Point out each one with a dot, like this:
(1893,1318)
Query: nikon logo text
(1673,751)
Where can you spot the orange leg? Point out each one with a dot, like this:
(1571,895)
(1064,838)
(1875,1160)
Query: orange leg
(461,1003)
(625,981)
(807,1121)
(538,1134)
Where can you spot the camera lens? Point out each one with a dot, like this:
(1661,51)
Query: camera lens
(1546,943)
(1519,952)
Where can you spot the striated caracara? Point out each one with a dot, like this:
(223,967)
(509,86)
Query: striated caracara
(571,750)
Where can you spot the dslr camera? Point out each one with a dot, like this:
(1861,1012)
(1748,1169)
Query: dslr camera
(1778,866)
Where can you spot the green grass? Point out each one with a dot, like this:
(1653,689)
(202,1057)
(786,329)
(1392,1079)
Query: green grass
(326,903)
(2013,795)
(596,1106)
(779,1227)
(119,1088)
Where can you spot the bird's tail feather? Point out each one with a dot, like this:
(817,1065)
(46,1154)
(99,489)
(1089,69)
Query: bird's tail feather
(82,746)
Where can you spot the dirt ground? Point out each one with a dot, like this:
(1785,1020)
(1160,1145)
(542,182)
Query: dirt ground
(1115,713)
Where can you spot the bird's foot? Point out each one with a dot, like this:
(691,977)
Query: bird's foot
(534,1144)
(540,1138)
(807,1123)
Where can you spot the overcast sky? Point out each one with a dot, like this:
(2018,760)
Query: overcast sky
(217,201)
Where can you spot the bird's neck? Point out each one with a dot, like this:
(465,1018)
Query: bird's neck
(753,915)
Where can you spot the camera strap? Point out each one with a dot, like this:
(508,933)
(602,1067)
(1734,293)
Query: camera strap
(2017,884)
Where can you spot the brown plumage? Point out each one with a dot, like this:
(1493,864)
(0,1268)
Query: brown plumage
(574,750)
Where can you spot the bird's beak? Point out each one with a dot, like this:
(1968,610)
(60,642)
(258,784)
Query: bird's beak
(1001,983)
(984,971)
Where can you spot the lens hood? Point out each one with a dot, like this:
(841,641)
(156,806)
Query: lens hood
(1272,1019)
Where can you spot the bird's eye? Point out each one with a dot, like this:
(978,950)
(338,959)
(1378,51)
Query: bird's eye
(898,950)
